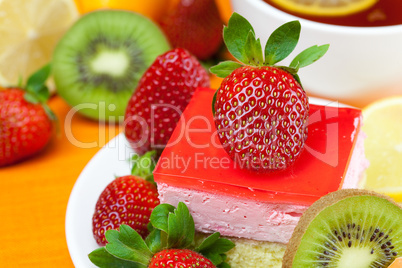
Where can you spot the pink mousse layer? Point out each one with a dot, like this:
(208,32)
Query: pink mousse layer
(246,218)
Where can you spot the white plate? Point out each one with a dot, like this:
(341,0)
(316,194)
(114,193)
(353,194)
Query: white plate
(109,162)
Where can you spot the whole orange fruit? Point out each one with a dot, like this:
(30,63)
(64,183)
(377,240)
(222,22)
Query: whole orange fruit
(153,9)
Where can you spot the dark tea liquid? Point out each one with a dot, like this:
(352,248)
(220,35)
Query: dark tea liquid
(383,13)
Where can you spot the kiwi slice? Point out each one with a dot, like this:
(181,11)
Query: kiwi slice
(99,61)
(347,228)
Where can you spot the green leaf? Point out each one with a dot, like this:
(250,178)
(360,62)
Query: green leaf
(282,42)
(289,69)
(297,78)
(159,216)
(215,258)
(41,91)
(154,241)
(36,83)
(101,258)
(31,98)
(225,68)
(214,244)
(213,102)
(235,36)
(181,229)
(309,55)
(49,112)
(144,165)
(221,245)
(127,244)
(20,82)
(253,50)
(40,76)
(223,265)
(209,241)
(214,248)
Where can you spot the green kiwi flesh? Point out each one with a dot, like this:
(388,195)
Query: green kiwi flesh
(347,228)
(99,61)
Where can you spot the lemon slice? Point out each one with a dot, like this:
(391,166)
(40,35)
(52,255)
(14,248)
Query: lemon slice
(29,31)
(325,7)
(383,146)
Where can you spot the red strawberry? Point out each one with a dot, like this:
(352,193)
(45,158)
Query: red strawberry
(25,121)
(261,113)
(126,200)
(194,25)
(179,258)
(169,244)
(261,110)
(162,94)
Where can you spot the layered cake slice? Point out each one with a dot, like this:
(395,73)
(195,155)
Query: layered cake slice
(261,206)
(265,206)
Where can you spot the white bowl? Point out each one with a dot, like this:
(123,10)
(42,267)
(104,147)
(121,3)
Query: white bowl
(362,63)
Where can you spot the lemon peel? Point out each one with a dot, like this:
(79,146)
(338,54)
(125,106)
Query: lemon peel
(325,7)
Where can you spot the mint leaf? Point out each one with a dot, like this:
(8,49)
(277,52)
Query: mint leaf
(224,68)
(127,245)
(282,42)
(101,258)
(308,56)
(235,36)
(159,216)
(181,229)
(253,50)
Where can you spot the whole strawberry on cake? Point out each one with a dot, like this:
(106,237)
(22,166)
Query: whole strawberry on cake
(261,110)
(271,154)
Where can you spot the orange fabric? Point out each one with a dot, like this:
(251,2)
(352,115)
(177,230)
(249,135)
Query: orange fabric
(396,264)
(34,193)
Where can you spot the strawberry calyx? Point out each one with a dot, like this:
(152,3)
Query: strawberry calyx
(144,165)
(36,90)
(170,228)
(241,42)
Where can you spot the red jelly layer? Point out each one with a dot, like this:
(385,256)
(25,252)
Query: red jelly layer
(194,158)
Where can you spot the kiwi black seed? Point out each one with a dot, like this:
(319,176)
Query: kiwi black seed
(347,228)
(99,61)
